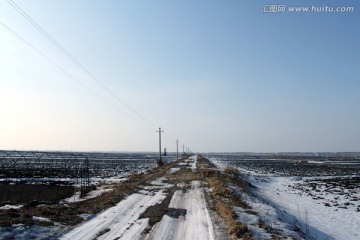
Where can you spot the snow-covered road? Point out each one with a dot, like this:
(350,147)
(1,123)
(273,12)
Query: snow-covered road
(188,216)
(191,218)
(121,221)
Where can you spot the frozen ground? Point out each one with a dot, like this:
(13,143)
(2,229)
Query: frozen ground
(294,207)
(192,162)
(321,207)
(22,232)
(313,216)
(172,170)
(121,221)
(92,194)
(187,214)
(261,214)
(189,218)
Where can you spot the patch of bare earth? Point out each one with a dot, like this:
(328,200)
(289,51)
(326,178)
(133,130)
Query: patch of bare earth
(68,214)
(181,180)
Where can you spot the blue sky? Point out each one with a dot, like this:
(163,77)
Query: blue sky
(217,75)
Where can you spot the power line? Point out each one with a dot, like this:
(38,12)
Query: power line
(76,62)
(67,73)
(75,79)
(69,56)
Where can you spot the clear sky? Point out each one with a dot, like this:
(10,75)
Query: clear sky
(217,75)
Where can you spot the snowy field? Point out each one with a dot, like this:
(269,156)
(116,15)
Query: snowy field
(100,164)
(187,214)
(106,169)
(317,196)
(285,194)
(64,169)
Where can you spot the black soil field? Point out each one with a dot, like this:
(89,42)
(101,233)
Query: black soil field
(26,193)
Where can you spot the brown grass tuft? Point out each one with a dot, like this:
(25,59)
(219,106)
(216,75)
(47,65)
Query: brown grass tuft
(232,171)
(223,202)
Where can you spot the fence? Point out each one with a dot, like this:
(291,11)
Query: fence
(44,167)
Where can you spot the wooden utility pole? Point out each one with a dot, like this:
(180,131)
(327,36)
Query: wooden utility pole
(160,141)
(177,149)
(183,149)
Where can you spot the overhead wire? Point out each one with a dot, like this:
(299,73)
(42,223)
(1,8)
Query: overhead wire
(67,73)
(74,60)
(75,79)
(81,66)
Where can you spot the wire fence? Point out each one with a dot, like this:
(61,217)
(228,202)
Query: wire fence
(44,167)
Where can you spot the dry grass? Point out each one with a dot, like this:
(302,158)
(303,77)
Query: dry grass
(275,234)
(265,226)
(232,171)
(224,200)
(220,193)
(220,189)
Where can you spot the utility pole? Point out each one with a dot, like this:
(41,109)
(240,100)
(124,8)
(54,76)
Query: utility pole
(177,149)
(160,141)
(183,149)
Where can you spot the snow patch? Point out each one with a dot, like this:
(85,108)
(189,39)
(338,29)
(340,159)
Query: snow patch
(93,194)
(172,170)
(40,219)
(6,207)
(22,232)
(192,161)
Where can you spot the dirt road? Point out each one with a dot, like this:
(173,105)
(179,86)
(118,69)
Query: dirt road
(174,206)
